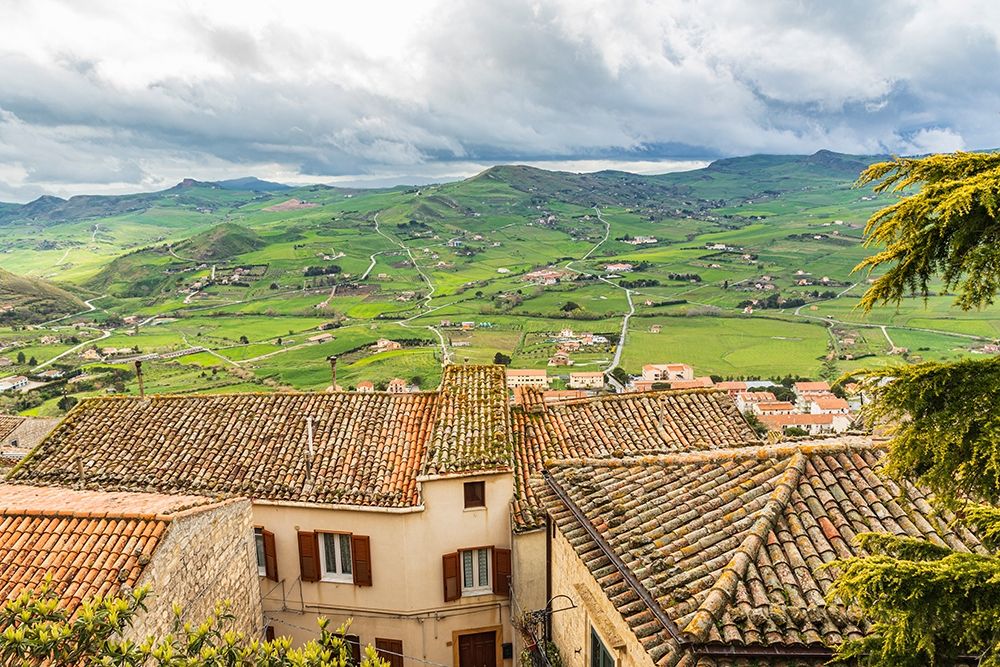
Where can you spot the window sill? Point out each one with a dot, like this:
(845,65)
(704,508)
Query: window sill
(475,592)
(481,508)
(331,580)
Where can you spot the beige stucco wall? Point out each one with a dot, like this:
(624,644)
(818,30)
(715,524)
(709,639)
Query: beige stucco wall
(206,556)
(528,564)
(571,628)
(406,599)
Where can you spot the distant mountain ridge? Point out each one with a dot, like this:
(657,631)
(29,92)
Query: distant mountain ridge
(189,192)
(764,172)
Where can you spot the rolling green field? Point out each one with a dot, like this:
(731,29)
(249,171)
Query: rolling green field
(750,274)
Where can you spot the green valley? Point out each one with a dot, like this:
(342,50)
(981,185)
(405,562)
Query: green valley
(742,269)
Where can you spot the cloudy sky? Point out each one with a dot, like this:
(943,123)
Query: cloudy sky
(103,97)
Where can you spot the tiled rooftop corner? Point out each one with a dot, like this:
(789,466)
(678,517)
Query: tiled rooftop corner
(732,544)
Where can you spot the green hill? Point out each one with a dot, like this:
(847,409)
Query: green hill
(28,300)
(151,271)
(221,242)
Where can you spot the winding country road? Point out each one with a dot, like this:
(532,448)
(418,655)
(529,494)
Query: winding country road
(426,301)
(620,348)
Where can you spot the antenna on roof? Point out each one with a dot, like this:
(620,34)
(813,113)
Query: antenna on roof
(333,371)
(138,375)
(309,446)
(309,435)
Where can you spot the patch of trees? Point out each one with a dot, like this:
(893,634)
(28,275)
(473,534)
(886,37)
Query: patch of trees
(501,358)
(773,300)
(685,277)
(328,270)
(639,282)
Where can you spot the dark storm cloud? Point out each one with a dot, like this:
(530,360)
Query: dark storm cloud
(116,96)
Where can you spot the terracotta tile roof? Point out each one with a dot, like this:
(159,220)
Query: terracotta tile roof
(367,448)
(615,426)
(803,419)
(89,543)
(730,544)
(526,372)
(757,396)
(472,431)
(771,406)
(812,386)
(691,384)
(8,423)
(830,403)
(731,385)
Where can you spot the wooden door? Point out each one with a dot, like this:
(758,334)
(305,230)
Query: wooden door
(477,650)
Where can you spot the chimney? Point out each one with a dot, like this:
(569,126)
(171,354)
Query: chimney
(138,375)
(333,372)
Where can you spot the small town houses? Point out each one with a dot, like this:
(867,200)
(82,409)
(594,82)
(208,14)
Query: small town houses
(447,523)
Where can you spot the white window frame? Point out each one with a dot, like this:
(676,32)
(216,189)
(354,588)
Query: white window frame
(479,588)
(261,554)
(335,574)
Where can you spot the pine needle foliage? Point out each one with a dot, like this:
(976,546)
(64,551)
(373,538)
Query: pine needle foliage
(930,604)
(948,228)
(945,425)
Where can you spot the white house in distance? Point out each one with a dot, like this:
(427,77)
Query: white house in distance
(13,383)
(586,380)
(618,267)
(667,372)
(828,405)
(745,400)
(810,423)
(527,377)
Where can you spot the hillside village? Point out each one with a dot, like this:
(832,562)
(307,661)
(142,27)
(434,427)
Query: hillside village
(490,519)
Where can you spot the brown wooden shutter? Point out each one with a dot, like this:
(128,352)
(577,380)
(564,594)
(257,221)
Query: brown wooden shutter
(270,556)
(390,650)
(501,572)
(361,560)
(309,556)
(452,577)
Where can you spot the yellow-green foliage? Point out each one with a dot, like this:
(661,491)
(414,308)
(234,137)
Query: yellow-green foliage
(948,228)
(35,629)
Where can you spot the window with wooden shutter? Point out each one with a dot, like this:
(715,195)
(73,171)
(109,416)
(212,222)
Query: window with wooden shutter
(361,553)
(308,556)
(475,494)
(270,555)
(390,650)
(452,577)
(501,572)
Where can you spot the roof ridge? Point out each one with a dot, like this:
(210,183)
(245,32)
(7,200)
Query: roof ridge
(762,452)
(608,398)
(84,514)
(724,588)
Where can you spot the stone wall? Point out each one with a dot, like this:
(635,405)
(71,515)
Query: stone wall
(571,628)
(206,556)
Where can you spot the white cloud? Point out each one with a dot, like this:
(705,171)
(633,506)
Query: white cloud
(107,92)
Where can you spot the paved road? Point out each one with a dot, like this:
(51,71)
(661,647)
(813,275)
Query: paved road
(620,348)
(106,333)
(426,301)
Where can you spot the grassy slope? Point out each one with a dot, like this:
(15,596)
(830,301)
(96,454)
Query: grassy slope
(773,207)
